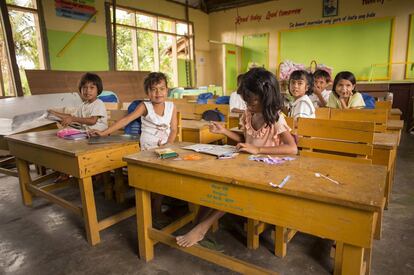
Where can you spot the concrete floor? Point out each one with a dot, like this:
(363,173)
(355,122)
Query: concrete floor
(47,239)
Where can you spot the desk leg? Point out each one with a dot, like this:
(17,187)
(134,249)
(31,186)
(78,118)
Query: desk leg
(252,236)
(24,180)
(352,260)
(144,223)
(89,210)
(119,186)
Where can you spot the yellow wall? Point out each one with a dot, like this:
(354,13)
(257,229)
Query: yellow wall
(224,29)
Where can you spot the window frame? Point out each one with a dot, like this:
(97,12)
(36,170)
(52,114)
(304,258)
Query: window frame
(135,52)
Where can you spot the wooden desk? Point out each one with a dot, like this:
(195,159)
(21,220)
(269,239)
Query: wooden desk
(76,158)
(385,153)
(395,126)
(346,213)
(395,113)
(197,131)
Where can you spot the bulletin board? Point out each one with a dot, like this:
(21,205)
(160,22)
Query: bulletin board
(409,70)
(255,51)
(345,47)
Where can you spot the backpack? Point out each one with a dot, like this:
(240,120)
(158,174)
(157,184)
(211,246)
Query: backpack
(134,127)
(223,99)
(203,98)
(369,101)
(212,115)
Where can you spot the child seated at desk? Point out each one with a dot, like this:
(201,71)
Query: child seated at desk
(344,95)
(320,95)
(264,132)
(300,86)
(159,122)
(237,104)
(91,115)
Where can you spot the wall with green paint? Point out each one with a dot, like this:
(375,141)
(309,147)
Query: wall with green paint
(255,51)
(231,67)
(87,53)
(409,70)
(182,73)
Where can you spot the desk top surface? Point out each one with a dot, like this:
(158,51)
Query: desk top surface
(361,185)
(385,140)
(395,111)
(395,124)
(49,141)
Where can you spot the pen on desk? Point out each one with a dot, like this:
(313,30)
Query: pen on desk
(284,181)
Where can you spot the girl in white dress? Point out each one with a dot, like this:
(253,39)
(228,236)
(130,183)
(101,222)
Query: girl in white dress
(158,125)
(158,117)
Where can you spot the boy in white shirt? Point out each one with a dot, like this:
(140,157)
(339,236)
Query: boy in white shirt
(237,104)
(320,96)
(300,86)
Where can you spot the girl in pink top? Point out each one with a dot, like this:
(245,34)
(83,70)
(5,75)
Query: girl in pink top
(265,132)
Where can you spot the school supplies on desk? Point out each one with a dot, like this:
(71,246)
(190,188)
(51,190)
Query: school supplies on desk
(113,139)
(220,151)
(71,134)
(166,153)
(281,184)
(269,159)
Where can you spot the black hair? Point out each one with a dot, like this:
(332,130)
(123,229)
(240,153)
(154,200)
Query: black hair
(239,79)
(344,75)
(154,78)
(319,73)
(263,84)
(91,78)
(302,74)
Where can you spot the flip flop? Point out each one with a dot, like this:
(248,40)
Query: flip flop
(211,243)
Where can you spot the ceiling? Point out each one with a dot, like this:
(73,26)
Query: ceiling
(217,5)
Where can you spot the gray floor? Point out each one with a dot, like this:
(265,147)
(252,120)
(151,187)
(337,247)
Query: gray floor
(47,239)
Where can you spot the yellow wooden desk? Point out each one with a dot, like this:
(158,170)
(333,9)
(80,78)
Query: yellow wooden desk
(346,213)
(76,158)
(385,153)
(395,113)
(396,126)
(197,131)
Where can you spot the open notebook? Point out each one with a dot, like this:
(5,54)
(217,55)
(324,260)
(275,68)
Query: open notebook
(221,151)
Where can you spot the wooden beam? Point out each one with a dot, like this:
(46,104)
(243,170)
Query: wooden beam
(210,255)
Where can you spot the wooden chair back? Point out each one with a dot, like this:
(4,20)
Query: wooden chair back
(331,139)
(323,113)
(378,116)
(383,105)
(179,136)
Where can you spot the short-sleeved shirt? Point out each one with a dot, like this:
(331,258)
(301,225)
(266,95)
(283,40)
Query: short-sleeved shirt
(96,108)
(315,99)
(355,101)
(302,107)
(236,101)
(266,136)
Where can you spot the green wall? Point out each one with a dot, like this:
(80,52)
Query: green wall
(350,46)
(85,53)
(182,74)
(255,50)
(231,67)
(409,73)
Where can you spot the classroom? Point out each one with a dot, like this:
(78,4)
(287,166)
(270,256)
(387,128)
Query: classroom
(207,137)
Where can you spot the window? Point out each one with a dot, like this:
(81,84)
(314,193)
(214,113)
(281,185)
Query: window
(6,79)
(25,26)
(148,42)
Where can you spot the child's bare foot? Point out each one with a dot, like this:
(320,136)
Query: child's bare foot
(191,238)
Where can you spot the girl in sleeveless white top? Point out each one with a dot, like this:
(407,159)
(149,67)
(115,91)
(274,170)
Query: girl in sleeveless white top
(155,129)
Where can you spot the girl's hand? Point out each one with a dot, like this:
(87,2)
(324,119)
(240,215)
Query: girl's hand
(248,148)
(216,128)
(317,90)
(96,133)
(67,121)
